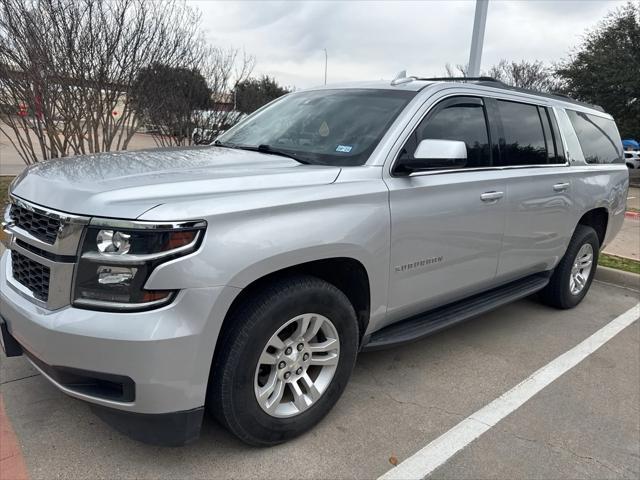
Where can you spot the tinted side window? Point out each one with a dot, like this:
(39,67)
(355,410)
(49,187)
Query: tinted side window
(524,140)
(598,137)
(461,119)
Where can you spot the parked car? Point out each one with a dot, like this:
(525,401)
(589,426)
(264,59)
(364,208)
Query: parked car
(246,276)
(632,159)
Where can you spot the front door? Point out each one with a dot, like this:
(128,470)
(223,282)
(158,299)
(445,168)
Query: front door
(446,224)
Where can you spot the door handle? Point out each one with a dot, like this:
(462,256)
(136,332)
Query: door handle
(561,187)
(491,196)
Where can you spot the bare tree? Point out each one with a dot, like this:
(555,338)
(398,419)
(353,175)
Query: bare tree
(223,69)
(67,68)
(457,71)
(533,75)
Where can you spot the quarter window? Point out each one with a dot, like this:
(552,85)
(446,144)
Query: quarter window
(524,140)
(461,119)
(598,137)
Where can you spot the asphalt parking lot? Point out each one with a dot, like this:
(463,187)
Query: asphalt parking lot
(586,424)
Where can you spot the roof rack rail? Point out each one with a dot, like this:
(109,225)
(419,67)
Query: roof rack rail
(553,95)
(560,94)
(567,98)
(460,79)
(495,83)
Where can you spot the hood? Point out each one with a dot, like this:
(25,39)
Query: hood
(126,184)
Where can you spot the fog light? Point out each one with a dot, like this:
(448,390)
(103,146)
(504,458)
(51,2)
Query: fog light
(120,276)
(109,241)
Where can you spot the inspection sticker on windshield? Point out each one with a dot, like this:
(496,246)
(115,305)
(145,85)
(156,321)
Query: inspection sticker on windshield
(344,148)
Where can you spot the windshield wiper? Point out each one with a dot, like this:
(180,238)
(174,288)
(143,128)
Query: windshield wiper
(218,143)
(262,148)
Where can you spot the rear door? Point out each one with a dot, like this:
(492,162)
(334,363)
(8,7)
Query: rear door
(538,188)
(446,223)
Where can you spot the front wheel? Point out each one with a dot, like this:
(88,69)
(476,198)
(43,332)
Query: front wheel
(572,277)
(284,361)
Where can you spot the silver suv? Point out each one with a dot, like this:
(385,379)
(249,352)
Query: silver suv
(245,276)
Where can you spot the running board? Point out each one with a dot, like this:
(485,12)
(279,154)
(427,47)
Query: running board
(420,326)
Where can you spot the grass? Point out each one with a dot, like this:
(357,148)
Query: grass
(619,263)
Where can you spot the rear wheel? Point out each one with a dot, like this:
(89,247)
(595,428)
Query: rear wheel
(285,360)
(572,277)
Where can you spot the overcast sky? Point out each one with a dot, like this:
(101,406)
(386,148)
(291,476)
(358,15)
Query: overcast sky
(374,40)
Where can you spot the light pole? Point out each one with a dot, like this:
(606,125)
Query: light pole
(477,38)
(325,65)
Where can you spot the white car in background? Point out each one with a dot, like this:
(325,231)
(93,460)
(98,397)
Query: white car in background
(632,158)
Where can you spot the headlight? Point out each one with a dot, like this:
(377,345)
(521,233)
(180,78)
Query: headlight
(117,259)
(109,241)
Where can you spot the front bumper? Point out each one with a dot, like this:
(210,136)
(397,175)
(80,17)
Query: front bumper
(166,429)
(166,353)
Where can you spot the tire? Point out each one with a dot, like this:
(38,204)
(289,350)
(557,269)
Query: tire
(558,292)
(236,376)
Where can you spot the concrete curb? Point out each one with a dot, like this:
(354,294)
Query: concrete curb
(618,277)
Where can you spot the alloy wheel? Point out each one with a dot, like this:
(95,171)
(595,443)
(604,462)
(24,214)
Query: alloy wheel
(297,365)
(581,269)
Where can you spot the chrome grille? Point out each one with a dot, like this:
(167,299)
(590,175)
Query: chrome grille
(31,274)
(44,245)
(41,226)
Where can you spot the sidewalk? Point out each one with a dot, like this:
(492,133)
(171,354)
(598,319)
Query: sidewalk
(633,199)
(627,242)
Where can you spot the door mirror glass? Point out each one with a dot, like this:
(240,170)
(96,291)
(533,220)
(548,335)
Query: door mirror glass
(435,155)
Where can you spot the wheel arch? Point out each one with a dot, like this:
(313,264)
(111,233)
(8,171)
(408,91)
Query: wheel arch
(348,274)
(598,219)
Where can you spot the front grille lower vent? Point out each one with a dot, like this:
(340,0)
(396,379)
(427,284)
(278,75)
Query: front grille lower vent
(31,274)
(41,226)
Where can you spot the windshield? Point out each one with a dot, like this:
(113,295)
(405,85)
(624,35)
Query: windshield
(328,127)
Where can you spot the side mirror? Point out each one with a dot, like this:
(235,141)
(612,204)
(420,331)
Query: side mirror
(435,155)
